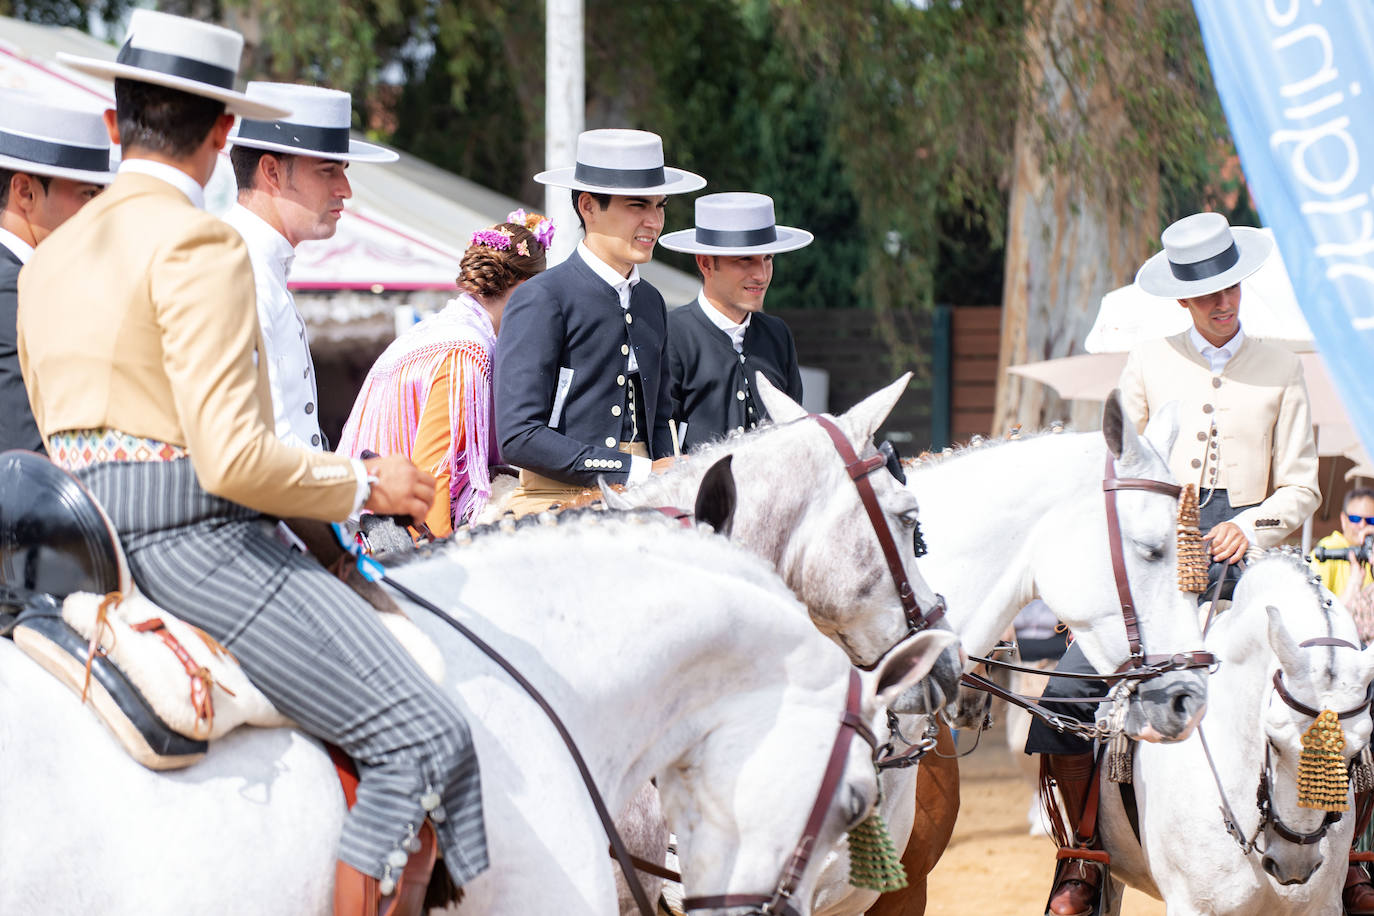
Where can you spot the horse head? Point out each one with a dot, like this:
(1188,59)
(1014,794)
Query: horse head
(761,795)
(1086,592)
(798,507)
(1320,669)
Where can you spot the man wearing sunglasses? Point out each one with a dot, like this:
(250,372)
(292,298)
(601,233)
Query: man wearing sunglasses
(1357,523)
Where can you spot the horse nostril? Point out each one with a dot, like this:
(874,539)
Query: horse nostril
(1181,704)
(1269,866)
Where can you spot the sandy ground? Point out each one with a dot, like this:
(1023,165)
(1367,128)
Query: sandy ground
(992,860)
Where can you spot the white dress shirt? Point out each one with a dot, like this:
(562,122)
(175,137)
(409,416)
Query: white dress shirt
(20,248)
(295,401)
(1217,357)
(170,174)
(734,331)
(640,467)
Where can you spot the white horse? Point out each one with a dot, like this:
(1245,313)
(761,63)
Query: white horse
(668,653)
(797,506)
(1188,859)
(1008,522)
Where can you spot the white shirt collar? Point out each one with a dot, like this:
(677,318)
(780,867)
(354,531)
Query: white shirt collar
(261,236)
(1217,357)
(608,273)
(170,174)
(735,331)
(22,249)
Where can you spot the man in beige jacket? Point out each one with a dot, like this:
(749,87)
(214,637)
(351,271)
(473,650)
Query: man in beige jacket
(140,346)
(1245,441)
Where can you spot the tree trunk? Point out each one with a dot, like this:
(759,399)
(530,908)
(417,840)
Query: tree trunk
(1075,230)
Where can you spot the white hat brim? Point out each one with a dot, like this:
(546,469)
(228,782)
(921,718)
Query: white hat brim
(678,181)
(358,150)
(234,102)
(789,239)
(1156,278)
(55,171)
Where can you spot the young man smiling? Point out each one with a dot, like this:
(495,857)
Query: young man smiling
(1244,441)
(582,387)
(293,181)
(53,161)
(718,344)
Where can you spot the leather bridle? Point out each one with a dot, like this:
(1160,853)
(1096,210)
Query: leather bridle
(779,902)
(1157,664)
(917,618)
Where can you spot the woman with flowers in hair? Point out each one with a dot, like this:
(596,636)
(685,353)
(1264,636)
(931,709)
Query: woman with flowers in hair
(429,394)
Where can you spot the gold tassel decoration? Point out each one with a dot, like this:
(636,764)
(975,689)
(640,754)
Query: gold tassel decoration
(1119,762)
(1323,780)
(1192,556)
(873,861)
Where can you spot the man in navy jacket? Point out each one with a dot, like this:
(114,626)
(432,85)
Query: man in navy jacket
(720,342)
(582,385)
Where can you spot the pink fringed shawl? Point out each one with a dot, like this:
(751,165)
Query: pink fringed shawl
(386,415)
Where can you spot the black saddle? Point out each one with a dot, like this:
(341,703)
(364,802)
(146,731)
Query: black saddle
(54,537)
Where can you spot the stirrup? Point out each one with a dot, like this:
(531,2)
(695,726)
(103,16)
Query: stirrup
(1081,857)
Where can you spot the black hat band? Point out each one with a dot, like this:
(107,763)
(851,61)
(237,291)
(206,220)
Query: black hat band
(57,155)
(619,178)
(306,137)
(1207,267)
(175,65)
(737,238)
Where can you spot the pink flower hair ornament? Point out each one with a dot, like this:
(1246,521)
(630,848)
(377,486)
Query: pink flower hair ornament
(498,239)
(537,223)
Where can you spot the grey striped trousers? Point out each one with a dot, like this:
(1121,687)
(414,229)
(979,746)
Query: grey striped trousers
(313,647)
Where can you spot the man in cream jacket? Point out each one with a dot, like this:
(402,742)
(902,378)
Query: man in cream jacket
(1245,441)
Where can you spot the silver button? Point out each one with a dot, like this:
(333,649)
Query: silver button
(739,395)
(624,349)
(629,319)
(1202,437)
(315,439)
(1216,383)
(310,407)
(620,380)
(617,464)
(610,442)
(1206,408)
(615,411)
(1196,463)
(588,462)
(739,429)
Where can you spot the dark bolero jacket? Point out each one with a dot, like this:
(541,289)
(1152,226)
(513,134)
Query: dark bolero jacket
(712,385)
(565,329)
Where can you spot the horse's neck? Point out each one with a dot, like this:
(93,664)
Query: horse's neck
(650,677)
(1237,690)
(983,514)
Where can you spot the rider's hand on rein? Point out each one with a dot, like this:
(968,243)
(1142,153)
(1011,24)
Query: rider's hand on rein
(398,488)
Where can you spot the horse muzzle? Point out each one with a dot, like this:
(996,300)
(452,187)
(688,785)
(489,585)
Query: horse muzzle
(1167,708)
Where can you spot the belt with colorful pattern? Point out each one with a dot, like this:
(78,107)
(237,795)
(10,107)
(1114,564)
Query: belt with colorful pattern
(80,448)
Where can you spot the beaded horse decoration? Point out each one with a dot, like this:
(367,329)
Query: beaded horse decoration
(1192,555)
(1323,780)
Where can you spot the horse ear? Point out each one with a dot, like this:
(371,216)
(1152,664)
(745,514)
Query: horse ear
(863,419)
(715,503)
(1281,641)
(613,498)
(1162,429)
(1114,423)
(905,666)
(780,407)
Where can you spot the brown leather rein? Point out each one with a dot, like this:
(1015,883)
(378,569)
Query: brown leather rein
(779,903)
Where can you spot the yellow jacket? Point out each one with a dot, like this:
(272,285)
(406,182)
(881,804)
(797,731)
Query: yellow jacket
(1336,573)
(1264,448)
(138,314)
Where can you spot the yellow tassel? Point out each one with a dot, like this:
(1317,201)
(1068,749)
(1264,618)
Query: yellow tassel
(1323,780)
(873,860)
(1192,555)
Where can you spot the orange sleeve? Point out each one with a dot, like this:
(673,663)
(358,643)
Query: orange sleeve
(433,442)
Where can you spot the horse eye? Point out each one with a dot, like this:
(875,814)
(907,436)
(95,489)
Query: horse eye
(909,518)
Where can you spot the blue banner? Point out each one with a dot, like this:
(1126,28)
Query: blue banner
(1296,78)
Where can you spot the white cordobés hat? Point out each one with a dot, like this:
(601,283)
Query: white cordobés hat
(40,138)
(1203,254)
(318,126)
(625,162)
(736,223)
(179,53)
